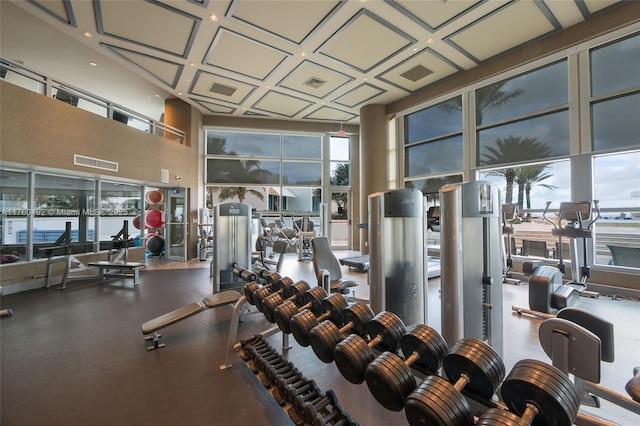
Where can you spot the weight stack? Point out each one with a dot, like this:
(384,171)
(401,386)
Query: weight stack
(397,267)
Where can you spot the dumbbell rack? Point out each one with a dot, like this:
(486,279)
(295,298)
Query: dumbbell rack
(299,398)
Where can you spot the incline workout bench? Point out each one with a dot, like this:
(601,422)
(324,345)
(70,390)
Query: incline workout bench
(150,328)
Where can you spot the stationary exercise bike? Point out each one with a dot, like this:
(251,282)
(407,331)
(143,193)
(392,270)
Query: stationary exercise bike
(547,291)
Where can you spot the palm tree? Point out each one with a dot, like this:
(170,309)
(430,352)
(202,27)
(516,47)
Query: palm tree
(239,192)
(529,177)
(513,149)
(486,98)
(247,170)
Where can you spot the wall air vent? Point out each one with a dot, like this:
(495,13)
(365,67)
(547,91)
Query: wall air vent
(221,89)
(314,82)
(81,160)
(416,73)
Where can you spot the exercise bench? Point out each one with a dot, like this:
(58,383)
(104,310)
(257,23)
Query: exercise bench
(150,328)
(118,269)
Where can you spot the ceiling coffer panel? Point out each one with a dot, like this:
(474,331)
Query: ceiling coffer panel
(215,108)
(419,70)
(314,79)
(281,104)
(166,29)
(268,16)
(165,71)
(433,14)
(502,31)
(59,9)
(365,42)
(236,53)
(218,87)
(329,114)
(359,95)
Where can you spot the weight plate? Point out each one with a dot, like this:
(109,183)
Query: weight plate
(249,288)
(434,402)
(352,355)
(389,380)
(359,314)
(301,325)
(453,402)
(314,297)
(259,295)
(282,283)
(428,343)
(283,315)
(497,416)
(323,339)
(568,386)
(542,388)
(390,327)
(269,305)
(484,351)
(478,361)
(334,305)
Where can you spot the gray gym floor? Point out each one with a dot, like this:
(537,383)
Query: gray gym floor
(77,357)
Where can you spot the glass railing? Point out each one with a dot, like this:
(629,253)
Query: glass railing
(28,79)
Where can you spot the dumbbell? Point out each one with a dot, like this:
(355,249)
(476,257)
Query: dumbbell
(353,354)
(302,323)
(244,274)
(471,365)
(253,286)
(265,291)
(535,393)
(311,300)
(324,337)
(271,302)
(390,378)
(315,409)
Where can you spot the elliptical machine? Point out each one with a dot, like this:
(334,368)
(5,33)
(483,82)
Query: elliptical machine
(547,291)
(509,216)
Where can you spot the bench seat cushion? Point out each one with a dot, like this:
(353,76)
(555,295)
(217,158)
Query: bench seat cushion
(172,317)
(115,265)
(220,299)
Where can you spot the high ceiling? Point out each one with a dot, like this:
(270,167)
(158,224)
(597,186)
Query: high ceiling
(294,59)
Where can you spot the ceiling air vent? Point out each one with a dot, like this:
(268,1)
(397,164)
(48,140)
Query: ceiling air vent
(314,82)
(416,73)
(81,160)
(221,89)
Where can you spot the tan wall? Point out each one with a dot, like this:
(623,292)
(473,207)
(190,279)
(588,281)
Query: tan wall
(37,130)
(40,132)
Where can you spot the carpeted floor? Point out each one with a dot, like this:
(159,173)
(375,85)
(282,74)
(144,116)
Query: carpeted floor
(77,357)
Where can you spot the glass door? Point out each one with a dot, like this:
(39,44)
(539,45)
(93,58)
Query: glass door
(340,220)
(176,226)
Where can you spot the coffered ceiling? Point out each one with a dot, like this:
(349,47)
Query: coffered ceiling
(293,59)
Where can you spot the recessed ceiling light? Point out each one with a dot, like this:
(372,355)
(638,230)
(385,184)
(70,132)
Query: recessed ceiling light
(87,34)
(365,79)
(303,54)
(193,64)
(415,49)
(430,41)
(213,17)
(187,79)
(179,93)
(157,96)
(267,87)
(93,64)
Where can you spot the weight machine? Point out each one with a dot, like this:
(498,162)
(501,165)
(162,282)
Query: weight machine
(232,241)
(547,291)
(577,341)
(471,263)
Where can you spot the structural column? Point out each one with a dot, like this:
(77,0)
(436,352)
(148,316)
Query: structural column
(374,167)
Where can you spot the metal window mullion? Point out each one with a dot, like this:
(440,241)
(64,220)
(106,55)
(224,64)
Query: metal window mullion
(31,191)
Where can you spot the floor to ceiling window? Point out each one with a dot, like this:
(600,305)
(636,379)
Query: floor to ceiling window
(548,132)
